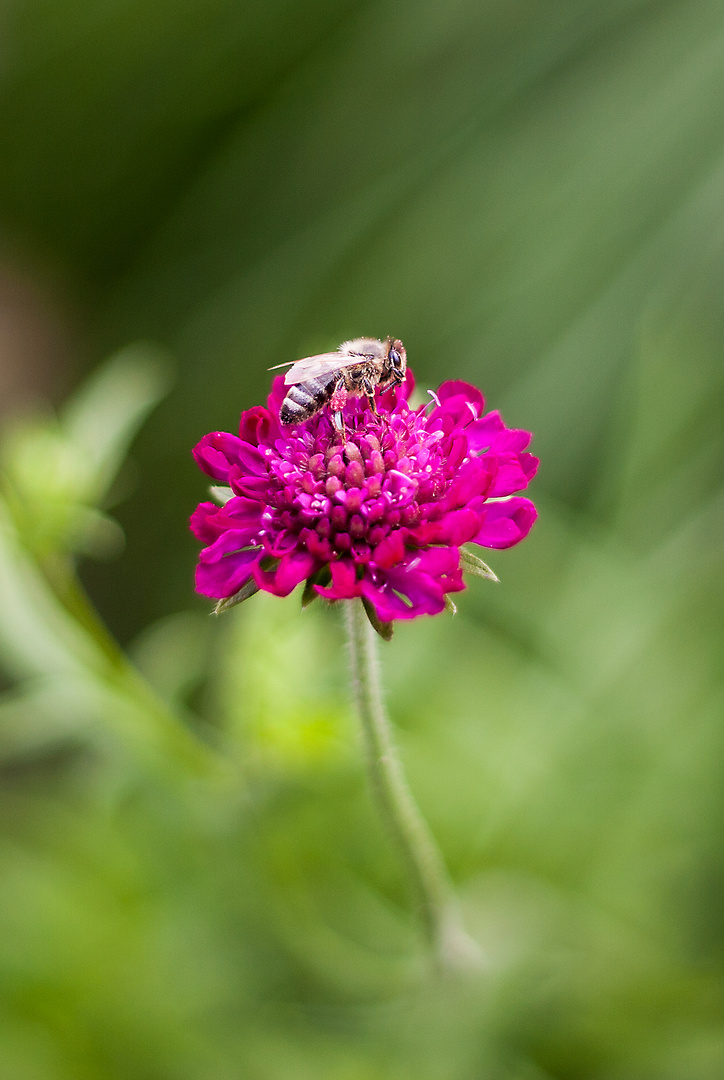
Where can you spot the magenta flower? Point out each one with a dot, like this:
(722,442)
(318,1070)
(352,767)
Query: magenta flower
(380,513)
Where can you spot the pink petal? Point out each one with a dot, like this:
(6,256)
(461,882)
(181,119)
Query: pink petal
(457,451)
(511,476)
(204,522)
(391,550)
(224,578)
(403,594)
(510,441)
(251,460)
(482,433)
(279,544)
(506,523)
(460,405)
(231,540)
(454,388)
(292,569)
(258,425)
(216,452)
(529,464)
(440,562)
(474,478)
(240,513)
(253,487)
(456,527)
(319,547)
(344,582)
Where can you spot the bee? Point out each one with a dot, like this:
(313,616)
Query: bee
(358,368)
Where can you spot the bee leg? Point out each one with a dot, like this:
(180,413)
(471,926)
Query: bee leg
(369,392)
(338,421)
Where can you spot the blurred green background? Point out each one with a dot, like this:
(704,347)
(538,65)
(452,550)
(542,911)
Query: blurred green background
(530,193)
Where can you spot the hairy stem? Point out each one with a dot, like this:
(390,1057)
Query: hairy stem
(428,878)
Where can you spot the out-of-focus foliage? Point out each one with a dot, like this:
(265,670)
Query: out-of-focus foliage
(193,885)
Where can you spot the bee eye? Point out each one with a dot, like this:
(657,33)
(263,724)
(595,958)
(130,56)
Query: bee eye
(395,359)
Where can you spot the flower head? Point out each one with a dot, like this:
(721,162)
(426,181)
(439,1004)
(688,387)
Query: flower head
(378,511)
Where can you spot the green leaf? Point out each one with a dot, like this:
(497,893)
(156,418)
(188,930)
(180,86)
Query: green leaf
(57,471)
(471,564)
(247,590)
(310,594)
(384,629)
(103,418)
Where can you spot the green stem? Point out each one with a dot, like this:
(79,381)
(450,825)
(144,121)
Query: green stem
(428,877)
(149,721)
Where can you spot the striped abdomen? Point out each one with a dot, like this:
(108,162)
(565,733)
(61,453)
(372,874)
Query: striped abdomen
(305,398)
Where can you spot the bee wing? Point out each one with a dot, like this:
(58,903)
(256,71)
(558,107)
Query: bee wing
(309,367)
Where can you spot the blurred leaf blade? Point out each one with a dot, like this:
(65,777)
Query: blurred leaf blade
(108,409)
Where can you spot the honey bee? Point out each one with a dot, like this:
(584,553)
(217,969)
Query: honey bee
(358,368)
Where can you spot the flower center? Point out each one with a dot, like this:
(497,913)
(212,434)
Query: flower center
(347,496)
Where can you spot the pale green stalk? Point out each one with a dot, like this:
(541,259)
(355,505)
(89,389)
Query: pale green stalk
(448,942)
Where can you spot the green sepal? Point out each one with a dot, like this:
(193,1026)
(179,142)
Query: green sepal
(247,590)
(384,629)
(220,493)
(471,564)
(450,605)
(310,594)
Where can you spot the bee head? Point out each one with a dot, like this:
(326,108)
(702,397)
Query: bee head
(397,359)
